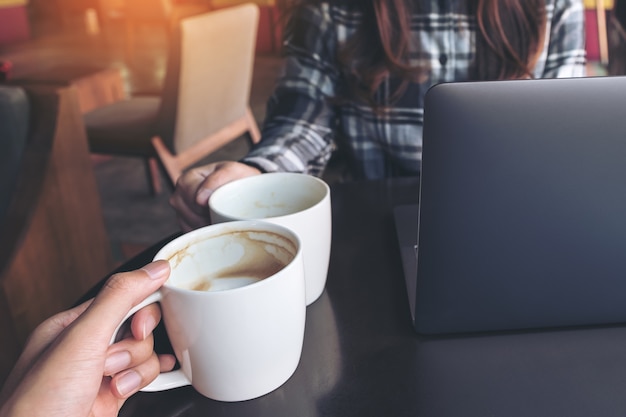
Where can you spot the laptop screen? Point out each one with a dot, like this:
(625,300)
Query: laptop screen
(522,217)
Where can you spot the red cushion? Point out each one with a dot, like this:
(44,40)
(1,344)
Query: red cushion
(592,42)
(13,24)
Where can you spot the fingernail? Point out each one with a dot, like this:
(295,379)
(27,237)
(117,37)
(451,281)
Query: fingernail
(157,269)
(116,362)
(148,326)
(203,195)
(128,383)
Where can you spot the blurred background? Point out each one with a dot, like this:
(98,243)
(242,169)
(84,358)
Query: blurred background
(39,38)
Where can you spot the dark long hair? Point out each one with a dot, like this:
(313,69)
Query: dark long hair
(509,37)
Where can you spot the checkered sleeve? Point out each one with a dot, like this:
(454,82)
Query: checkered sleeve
(565,54)
(297,133)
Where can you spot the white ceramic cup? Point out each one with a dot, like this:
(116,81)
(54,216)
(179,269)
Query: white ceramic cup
(299,202)
(236,336)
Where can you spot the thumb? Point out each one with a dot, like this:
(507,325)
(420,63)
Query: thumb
(120,294)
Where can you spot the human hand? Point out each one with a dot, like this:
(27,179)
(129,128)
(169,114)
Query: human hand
(193,189)
(68,367)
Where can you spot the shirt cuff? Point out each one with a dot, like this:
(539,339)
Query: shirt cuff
(261,164)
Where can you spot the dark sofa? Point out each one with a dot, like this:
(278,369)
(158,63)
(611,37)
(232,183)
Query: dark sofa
(53,242)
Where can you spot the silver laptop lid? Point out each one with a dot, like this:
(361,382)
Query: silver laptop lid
(522,220)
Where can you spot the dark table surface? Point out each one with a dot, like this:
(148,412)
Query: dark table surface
(361,356)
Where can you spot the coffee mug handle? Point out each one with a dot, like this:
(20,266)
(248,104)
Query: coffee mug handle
(166,380)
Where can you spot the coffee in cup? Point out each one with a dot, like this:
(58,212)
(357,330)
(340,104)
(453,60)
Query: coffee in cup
(246,257)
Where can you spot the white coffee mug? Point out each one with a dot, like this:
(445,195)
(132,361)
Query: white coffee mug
(299,202)
(234,309)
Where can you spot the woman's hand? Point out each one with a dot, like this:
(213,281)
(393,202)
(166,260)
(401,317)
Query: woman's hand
(68,368)
(193,189)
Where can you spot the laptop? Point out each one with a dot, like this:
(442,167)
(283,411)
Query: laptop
(521,221)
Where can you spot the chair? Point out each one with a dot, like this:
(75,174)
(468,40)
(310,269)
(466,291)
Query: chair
(271,8)
(164,13)
(602,32)
(596,29)
(204,103)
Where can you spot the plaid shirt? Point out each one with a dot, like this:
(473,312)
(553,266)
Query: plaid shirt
(302,128)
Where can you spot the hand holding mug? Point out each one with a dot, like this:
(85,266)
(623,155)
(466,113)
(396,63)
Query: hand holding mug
(72,347)
(194,187)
